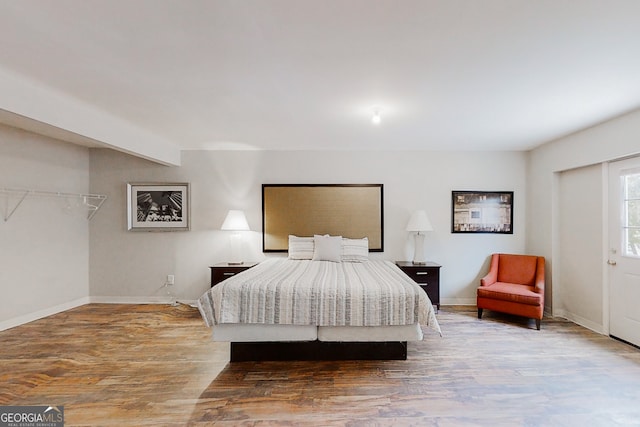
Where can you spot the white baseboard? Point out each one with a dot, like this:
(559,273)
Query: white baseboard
(458,301)
(136,300)
(30,317)
(580,321)
(128,300)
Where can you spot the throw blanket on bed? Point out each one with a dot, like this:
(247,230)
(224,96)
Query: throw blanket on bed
(321,293)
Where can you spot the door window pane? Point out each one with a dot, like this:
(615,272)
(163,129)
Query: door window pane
(632,238)
(632,186)
(631,211)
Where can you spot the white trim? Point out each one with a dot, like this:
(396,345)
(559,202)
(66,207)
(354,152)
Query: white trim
(136,300)
(128,300)
(606,271)
(458,301)
(30,317)
(580,321)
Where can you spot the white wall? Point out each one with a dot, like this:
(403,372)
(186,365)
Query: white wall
(580,219)
(133,265)
(44,246)
(608,141)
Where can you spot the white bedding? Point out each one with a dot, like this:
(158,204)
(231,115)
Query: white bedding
(247,332)
(321,294)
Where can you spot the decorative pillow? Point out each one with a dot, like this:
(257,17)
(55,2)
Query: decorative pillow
(327,248)
(355,250)
(300,247)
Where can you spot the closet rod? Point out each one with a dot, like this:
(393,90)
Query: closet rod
(22,194)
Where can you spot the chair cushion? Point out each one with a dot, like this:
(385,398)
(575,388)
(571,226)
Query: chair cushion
(519,269)
(521,294)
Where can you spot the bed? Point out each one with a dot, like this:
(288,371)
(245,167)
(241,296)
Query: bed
(326,300)
(300,309)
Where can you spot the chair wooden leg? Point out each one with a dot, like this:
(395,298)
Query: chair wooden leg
(479,313)
(538,324)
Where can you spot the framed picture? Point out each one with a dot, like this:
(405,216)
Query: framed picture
(349,210)
(482,212)
(158,207)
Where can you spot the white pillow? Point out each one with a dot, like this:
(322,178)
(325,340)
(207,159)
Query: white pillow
(327,248)
(355,250)
(300,247)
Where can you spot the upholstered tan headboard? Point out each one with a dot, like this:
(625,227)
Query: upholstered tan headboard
(348,210)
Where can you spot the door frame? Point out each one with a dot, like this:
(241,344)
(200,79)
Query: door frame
(606,244)
(624,163)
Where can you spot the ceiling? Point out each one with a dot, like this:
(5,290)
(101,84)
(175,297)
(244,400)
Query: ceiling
(303,74)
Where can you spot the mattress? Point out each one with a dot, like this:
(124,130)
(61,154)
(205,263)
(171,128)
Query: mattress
(246,332)
(336,301)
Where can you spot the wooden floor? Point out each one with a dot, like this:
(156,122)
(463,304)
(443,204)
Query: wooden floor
(154,365)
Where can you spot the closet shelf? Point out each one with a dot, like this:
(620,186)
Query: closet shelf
(92,202)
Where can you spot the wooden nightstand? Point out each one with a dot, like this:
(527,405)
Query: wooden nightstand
(427,276)
(223,270)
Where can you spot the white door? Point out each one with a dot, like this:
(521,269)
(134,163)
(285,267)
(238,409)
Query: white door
(624,250)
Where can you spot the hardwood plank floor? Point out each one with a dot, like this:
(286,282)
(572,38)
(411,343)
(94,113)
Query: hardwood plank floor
(154,365)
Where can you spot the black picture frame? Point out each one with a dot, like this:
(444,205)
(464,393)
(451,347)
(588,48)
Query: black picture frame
(158,207)
(348,210)
(482,212)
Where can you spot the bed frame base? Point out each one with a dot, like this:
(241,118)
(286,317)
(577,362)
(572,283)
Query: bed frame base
(317,350)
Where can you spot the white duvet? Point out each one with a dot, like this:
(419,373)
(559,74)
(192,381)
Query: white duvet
(319,293)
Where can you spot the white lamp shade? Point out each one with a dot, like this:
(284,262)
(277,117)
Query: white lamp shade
(236,221)
(419,222)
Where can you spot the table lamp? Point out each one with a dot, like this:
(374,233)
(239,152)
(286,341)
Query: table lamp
(419,223)
(235,221)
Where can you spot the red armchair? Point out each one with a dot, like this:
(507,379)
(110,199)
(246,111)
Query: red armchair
(514,285)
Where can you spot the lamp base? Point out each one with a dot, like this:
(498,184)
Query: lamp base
(235,242)
(419,262)
(418,254)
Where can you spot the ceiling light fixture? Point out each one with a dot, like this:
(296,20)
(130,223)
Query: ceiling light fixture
(376,118)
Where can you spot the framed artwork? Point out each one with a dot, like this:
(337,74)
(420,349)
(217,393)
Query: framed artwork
(158,207)
(348,210)
(482,212)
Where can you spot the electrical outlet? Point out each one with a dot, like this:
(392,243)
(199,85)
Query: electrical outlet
(170,279)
